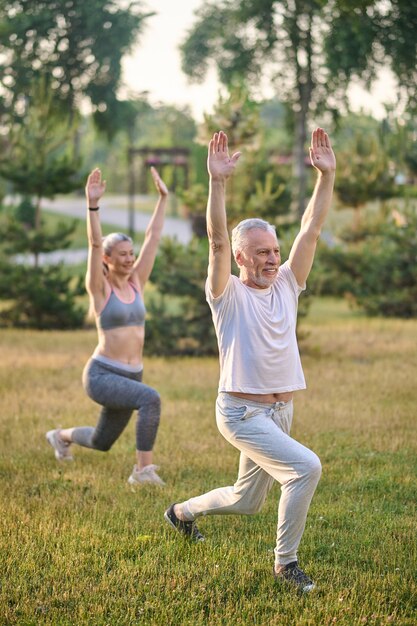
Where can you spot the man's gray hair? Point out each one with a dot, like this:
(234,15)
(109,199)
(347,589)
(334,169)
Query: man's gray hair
(240,231)
(112,240)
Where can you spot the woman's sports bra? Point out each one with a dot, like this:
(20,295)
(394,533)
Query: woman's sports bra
(116,313)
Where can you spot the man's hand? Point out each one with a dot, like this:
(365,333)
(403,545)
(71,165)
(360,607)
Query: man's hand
(94,188)
(321,154)
(219,164)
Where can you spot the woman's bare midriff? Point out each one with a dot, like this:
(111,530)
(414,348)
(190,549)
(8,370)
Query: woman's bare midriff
(268,398)
(123,344)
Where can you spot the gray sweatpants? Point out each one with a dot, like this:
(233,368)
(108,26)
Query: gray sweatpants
(119,392)
(261,433)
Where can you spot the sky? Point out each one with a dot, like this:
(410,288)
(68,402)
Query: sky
(155,65)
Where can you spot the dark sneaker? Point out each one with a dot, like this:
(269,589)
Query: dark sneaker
(292,574)
(188,529)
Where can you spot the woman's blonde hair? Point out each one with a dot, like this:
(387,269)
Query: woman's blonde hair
(111,240)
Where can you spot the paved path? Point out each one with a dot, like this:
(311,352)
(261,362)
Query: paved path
(75,207)
(68,257)
(174,227)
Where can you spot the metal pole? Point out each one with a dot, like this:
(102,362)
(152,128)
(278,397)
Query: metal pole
(131,204)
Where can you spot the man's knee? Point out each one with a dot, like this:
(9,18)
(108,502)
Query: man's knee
(249,508)
(248,504)
(313,467)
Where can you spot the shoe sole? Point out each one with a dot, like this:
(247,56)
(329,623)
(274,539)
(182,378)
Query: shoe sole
(171,523)
(187,537)
(138,483)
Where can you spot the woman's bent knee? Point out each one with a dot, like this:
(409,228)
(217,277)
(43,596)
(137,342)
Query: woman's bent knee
(101,446)
(156,399)
(151,399)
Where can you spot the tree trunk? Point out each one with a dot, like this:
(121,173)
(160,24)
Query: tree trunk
(37,227)
(300,170)
(132,190)
(302,39)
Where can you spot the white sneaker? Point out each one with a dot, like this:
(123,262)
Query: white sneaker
(145,475)
(62,448)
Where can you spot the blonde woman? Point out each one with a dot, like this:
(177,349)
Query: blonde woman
(115,282)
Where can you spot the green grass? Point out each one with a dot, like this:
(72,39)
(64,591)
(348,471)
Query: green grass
(78,547)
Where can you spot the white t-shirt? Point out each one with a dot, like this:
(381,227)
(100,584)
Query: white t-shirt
(256,336)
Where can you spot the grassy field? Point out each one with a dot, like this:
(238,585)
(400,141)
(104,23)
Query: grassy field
(79,547)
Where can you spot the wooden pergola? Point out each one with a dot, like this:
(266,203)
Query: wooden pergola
(178,158)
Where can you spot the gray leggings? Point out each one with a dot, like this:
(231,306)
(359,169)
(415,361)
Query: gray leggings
(120,393)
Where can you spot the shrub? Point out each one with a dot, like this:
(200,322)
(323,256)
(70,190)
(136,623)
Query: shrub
(179,318)
(378,270)
(39,297)
(42,297)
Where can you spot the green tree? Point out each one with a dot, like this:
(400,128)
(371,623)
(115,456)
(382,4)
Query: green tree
(364,172)
(39,163)
(399,134)
(294,44)
(243,40)
(257,184)
(77,45)
(42,298)
(165,126)
(179,319)
(237,114)
(38,160)
(36,296)
(366,35)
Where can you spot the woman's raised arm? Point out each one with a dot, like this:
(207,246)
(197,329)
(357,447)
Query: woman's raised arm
(144,263)
(94,190)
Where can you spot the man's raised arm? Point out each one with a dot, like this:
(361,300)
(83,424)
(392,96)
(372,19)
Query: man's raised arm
(220,166)
(304,247)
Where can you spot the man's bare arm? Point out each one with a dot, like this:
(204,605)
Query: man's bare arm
(304,247)
(220,166)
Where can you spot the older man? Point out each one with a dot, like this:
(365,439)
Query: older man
(260,368)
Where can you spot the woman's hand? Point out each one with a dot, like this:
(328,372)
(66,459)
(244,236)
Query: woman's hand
(161,187)
(95,188)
